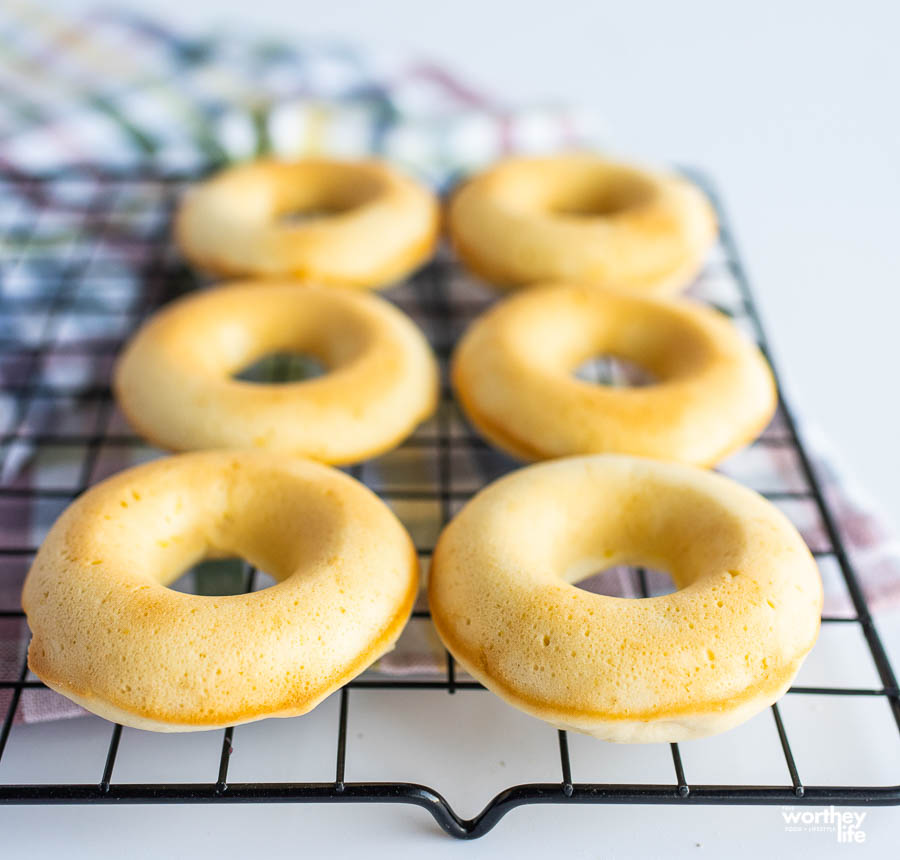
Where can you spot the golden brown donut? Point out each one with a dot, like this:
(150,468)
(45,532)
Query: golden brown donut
(698,661)
(108,634)
(581,218)
(368,224)
(513,374)
(174,379)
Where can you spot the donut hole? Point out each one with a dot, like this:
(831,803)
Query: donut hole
(628,581)
(215,577)
(604,196)
(306,197)
(299,217)
(614,371)
(277,367)
(220,577)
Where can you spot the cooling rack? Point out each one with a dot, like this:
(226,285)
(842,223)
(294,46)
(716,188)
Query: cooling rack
(86,256)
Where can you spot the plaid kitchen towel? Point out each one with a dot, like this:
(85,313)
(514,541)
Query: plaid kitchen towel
(124,91)
(112,92)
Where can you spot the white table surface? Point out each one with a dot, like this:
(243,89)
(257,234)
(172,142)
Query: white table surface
(792,108)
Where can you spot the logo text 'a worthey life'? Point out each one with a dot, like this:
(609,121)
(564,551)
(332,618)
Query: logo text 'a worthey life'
(845,824)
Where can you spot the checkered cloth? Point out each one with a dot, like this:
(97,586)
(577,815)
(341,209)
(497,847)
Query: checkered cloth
(85,255)
(125,91)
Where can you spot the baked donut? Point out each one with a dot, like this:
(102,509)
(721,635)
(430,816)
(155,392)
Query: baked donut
(174,378)
(583,219)
(367,226)
(108,634)
(512,373)
(698,661)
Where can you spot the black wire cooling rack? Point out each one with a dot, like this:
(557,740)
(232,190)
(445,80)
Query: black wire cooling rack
(85,257)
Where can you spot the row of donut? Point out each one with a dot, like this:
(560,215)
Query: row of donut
(572,218)
(512,372)
(110,635)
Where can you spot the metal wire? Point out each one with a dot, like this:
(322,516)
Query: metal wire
(443,315)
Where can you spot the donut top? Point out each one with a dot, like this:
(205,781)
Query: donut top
(745,613)
(174,379)
(513,371)
(582,218)
(107,629)
(359,223)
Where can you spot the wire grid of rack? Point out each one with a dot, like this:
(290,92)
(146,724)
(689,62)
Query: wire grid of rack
(86,257)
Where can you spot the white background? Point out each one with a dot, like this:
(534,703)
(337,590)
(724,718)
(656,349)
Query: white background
(793,108)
